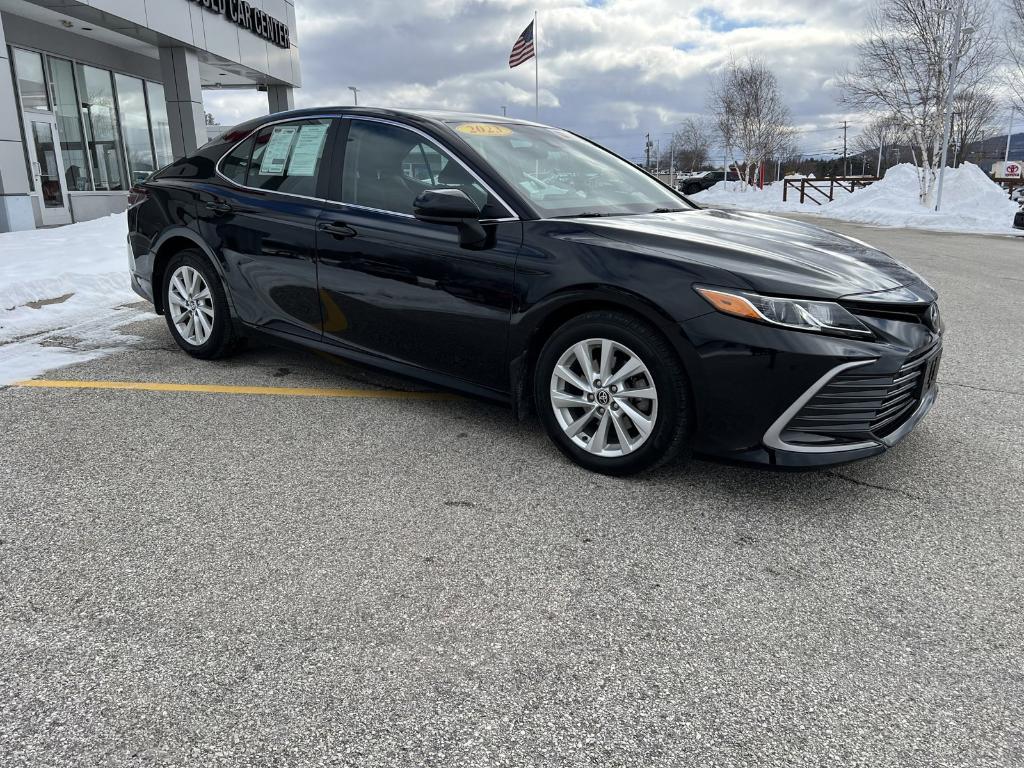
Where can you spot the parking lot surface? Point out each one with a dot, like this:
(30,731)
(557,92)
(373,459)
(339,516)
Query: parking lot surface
(376,575)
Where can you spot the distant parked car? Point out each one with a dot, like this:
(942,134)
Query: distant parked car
(1018,220)
(694,184)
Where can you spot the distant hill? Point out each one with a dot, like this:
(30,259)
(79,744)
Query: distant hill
(984,153)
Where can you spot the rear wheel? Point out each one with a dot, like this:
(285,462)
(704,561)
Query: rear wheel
(196,308)
(612,394)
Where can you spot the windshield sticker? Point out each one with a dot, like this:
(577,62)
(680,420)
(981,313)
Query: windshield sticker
(275,156)
(483,129)
(307,150)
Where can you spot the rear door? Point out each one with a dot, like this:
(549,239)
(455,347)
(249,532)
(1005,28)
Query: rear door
(402,288)
(262,218)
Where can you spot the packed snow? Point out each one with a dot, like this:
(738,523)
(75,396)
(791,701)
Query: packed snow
(971,202)
(63,291)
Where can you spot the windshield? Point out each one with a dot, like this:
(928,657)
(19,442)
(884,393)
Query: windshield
(563,175)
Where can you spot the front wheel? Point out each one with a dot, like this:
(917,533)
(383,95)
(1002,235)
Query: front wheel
(612,394)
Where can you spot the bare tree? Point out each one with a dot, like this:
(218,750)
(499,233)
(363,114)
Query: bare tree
(881,132)
(749,115)
(1015,45)
(975,112)
(903,68)
(692,143)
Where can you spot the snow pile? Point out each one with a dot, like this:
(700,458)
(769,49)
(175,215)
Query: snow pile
(971,202)
(735,194)
(60,290)
(89,258)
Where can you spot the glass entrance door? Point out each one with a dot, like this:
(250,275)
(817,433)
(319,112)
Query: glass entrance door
(48,184)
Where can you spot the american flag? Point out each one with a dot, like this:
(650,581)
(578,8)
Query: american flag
(523,50)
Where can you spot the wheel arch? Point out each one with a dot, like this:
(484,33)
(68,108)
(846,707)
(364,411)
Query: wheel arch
(537,325)
(172,242)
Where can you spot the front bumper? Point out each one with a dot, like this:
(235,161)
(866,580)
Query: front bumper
(768,396)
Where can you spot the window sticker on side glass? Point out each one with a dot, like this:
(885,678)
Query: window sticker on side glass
(275,156)
(307,150)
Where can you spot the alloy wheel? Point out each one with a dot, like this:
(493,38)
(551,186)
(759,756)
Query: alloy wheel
(191,305)
(604,397)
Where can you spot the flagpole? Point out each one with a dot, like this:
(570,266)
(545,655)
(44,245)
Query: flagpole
(536,67)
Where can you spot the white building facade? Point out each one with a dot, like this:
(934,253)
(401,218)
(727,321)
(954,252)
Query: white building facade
(97,94)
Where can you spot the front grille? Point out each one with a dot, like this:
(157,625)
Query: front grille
(856,406)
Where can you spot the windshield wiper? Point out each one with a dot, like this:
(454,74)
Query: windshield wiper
(585,215)
(668,210)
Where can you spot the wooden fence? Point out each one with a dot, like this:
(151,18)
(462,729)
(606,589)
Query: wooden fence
(821,191)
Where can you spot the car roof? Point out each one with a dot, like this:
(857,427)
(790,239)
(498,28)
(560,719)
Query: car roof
(440,117)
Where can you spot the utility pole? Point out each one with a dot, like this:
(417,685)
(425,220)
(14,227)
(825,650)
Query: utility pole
(647,150)
(1009,133)
(947,113)
(846,168)
(504,111)
(672,163)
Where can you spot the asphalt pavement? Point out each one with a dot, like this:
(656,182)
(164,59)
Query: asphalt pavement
(376,576)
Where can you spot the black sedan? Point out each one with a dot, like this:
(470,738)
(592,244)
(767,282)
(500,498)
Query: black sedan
(523,263)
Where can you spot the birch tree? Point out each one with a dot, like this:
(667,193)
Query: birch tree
(1015,46)
(903,68)
(750,116)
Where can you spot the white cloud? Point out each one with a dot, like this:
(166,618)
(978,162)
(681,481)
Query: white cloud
(613,70)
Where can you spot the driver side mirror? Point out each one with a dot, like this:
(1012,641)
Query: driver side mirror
(452,206)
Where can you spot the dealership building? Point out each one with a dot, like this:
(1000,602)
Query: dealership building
(97,94)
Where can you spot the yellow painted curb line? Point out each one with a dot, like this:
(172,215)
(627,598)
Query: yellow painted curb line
(224,389)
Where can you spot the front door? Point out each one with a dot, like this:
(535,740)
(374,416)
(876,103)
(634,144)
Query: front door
(48,185)
(402,288)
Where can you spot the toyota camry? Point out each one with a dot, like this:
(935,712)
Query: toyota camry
(523,263)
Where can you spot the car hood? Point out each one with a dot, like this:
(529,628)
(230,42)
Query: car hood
(765,253)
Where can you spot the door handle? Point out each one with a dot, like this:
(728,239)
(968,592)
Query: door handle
(219,207)
(339,229)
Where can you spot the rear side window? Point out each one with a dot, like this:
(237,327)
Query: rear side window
(287,157)
(236,164)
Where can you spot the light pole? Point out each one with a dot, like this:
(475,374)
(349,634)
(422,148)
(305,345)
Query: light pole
(1009,133)
(355,95)
(947,113)
(504,111)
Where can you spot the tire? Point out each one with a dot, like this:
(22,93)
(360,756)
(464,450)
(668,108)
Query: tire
(211,334)
(573,415)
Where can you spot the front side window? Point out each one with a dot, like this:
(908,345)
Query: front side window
(99,115)
(387,166)
(563,175)
(131,103)
(287,157)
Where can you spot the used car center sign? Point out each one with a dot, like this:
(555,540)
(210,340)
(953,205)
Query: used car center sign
(253,19)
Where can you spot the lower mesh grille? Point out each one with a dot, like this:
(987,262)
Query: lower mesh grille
(857,406)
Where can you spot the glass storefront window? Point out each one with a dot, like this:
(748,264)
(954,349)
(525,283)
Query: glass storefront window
(69,126)
(160,124)
(131,105)
(95,87)
(28,67)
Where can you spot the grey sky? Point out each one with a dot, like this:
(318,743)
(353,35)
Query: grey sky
(612,70)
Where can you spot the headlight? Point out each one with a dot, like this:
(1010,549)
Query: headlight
(800,314)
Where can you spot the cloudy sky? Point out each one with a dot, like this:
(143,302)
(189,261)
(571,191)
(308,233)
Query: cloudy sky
(612,69)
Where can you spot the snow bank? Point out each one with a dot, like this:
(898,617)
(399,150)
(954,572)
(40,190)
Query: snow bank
(61,291)
(971,202)
(88,258)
